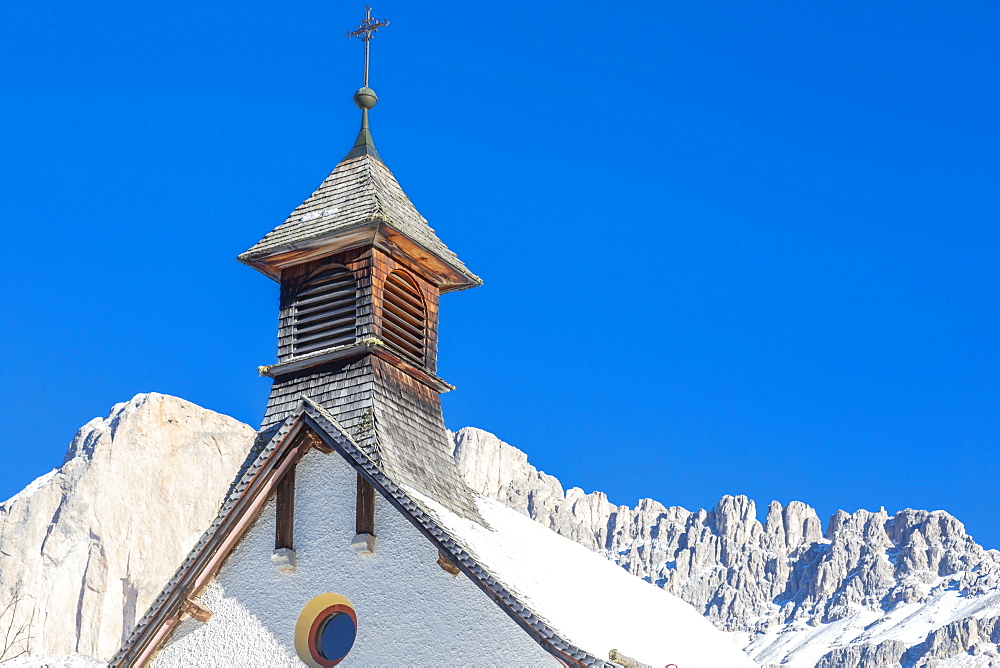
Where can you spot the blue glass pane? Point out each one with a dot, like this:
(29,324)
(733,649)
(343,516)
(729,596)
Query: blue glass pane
(337,636)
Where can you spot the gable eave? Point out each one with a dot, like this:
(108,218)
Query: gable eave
(242,502)
(248,495)
(360,190)
(443,268)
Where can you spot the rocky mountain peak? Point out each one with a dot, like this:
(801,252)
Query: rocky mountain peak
(93,542)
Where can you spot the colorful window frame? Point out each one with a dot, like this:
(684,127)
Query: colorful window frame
(312,624)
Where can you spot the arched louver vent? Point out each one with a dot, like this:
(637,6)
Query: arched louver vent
(325,311)
(403,316)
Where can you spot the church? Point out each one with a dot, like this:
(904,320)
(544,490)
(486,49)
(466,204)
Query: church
(348,535)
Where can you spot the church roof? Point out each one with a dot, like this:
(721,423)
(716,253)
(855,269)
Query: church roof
(361,190)
(573,602)
(251,490)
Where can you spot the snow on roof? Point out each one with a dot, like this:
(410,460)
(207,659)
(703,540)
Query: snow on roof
(590,601)
(574,602)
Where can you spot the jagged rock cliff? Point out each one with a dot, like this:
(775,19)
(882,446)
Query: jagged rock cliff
(869,590)
(93,542)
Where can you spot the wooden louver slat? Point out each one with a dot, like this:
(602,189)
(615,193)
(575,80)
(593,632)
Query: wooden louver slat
(325,311)
(336,293)
(307,317)
(403,325)
(320,324)
(407,291)
(317,285)
(414,316)
(403,317)
(337,335)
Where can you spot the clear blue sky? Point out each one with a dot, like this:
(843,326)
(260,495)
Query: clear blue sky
(729,248)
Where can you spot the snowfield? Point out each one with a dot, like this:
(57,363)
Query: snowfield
(799,645)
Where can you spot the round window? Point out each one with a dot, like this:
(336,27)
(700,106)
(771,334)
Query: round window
(325,631)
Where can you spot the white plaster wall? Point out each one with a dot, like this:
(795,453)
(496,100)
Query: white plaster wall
(410,611)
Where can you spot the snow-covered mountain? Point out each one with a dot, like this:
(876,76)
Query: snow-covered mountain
(870,590)
(93,542)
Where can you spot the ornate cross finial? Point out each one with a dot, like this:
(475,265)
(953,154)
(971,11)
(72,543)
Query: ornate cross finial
(365,31)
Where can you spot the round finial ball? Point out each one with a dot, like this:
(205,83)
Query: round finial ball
(365,98)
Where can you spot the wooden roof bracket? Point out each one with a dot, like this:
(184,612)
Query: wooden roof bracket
(195,611)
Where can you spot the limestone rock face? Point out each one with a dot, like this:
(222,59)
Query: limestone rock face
(780,582)
(887,653)
(975,636)
(93,542)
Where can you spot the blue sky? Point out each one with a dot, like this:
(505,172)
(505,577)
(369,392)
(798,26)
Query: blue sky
(728,248)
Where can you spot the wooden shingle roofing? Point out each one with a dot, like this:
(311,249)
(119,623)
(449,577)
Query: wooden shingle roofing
(360,191)
(251,487)
(404,438)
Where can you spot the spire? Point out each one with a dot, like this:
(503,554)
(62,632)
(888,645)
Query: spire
(359,203)
(365,98)
(364,145)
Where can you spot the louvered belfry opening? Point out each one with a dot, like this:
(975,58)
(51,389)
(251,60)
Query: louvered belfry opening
(325,311)
(403,316)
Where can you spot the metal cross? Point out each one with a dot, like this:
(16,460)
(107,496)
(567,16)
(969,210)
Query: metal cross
(365,31)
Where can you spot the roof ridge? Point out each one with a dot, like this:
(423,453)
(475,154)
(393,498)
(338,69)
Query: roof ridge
(380,208)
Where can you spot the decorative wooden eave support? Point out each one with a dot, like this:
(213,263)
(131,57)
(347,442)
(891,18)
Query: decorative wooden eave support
(310,439)
(448,565)
(283,557)
(285,512)
(195,611)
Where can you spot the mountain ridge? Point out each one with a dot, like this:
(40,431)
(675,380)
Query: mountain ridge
(866,590)
(782,582)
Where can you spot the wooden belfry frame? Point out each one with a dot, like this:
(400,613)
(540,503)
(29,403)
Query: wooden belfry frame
(284,524)
(364,521)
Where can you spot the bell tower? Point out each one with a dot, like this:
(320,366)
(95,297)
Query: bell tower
(361,274)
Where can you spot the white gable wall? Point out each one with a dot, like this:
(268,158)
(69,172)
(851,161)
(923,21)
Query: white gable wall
(410,611)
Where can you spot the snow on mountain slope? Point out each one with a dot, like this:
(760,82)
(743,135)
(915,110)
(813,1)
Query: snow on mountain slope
(870,590)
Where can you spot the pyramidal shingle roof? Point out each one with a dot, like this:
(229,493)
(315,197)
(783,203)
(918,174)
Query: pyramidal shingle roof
(361,190)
